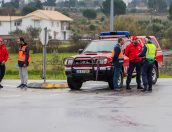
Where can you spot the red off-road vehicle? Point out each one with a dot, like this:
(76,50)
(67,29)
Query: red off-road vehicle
(94,63)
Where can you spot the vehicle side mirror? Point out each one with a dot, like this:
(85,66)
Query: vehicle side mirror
(80,51)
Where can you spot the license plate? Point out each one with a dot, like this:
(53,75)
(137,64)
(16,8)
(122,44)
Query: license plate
(82,71)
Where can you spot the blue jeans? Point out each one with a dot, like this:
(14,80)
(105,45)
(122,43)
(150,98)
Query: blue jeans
(117,70)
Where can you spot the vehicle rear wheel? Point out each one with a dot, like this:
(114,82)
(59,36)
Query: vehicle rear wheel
(120,82)
(154,74)
(74,84)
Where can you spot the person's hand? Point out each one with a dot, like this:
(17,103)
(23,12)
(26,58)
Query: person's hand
(3,62)
(24,65)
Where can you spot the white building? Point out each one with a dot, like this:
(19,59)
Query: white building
(58,24)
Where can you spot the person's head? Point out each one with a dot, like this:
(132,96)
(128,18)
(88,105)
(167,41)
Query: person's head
(1,41)
(21,41)
(121,41)
(135,40)
(147,39)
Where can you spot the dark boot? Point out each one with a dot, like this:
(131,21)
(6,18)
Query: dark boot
(150,89)
(21,85)
(144,89)
(1,86)
(128,87)
(139,87)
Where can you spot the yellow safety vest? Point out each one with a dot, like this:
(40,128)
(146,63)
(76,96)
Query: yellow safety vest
(151,52)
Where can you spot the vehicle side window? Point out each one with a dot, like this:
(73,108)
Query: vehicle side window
(154,42)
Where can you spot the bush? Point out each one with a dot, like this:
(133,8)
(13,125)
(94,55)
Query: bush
(92,27)
(90,14)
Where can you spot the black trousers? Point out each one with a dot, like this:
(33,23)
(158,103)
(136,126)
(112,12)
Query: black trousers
(132,66)
(2,72)
(147,74)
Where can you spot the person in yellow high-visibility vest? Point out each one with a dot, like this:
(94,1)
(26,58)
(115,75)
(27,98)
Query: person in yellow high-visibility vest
(118,59)
(149,52)
(23,62)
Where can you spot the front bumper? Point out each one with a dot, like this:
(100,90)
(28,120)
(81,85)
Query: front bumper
(95,74)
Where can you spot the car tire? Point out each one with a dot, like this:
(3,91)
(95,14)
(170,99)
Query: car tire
(74,84)
(154,74)
(120,81)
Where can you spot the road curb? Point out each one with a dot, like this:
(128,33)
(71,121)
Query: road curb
(48,85)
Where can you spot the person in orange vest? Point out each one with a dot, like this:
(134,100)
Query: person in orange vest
(3,60)
(118,60)
(23,62)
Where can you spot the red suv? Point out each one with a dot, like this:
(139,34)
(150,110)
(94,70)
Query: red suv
(94,63)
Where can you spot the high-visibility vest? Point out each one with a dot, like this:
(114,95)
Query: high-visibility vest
(151,51)
(22,54)
(120,57)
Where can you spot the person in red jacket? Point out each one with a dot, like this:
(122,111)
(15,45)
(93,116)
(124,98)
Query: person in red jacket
(3,59)
(132,51)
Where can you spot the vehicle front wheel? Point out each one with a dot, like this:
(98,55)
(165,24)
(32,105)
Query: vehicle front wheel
(120,82)
(154,74)
(74,84)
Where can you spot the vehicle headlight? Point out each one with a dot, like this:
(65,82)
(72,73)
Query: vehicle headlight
(103,61)
(68,62)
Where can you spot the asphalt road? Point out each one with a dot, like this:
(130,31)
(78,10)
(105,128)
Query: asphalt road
(93,109)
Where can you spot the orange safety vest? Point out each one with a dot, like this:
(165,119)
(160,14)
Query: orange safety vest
(22,54)
(120,57)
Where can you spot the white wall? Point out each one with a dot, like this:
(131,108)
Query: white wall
(4,28)
(54,28)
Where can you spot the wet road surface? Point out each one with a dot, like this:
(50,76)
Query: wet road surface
(93,109)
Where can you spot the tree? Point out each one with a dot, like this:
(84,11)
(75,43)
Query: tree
(33,32)
(28,9)
(90,13)
(119,7)
(157,5)
(2,3)
(14,3)
(50,3)
(170,12)
(33,6)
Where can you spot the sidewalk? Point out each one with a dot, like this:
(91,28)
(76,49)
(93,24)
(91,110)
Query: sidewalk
(39,84)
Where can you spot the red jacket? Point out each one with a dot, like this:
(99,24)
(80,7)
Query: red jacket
(3,53)
(132,52)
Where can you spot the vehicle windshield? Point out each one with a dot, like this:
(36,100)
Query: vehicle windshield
(100,46)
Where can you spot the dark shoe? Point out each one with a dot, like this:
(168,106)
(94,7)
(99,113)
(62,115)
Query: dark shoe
(21,85)
(140,88)
(24,86)
(128,88)
(144,89)
(1,86)
(150,89)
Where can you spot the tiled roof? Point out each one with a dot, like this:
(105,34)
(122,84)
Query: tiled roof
(48,15)
(9,18)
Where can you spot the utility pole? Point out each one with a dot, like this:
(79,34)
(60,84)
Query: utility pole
(45,55)
(111,15)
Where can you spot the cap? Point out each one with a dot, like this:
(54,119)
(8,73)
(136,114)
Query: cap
(134,38)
